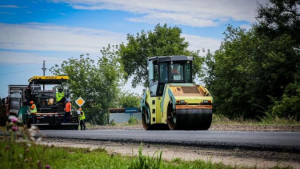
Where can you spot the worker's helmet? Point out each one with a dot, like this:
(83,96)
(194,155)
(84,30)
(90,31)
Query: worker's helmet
(67,99)
(31,102)
(60,89)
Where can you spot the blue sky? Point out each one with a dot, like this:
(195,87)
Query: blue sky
(54,30)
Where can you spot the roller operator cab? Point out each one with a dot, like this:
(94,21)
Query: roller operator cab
(172,99)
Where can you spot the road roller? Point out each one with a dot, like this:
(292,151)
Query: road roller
(172,101)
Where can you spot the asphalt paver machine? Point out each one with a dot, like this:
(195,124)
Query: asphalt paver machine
(50,112)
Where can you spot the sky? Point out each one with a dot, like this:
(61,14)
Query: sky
(54,30)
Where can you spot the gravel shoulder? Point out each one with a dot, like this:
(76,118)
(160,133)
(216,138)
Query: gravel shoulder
(215,127)
(233,157)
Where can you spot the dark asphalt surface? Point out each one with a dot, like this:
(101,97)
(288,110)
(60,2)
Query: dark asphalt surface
(280,141)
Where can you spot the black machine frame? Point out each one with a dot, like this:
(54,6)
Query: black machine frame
(157,87)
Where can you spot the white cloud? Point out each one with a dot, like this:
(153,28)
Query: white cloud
(43,37)
(196,13)
(199,43)
(245,26)
(8,57)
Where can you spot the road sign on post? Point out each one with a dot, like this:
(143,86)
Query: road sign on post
(80,102)
(131,110)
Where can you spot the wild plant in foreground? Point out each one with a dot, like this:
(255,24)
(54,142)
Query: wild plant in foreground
(146,162)
(20,151)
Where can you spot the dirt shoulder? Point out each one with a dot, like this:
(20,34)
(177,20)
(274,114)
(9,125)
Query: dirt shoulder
(234,157)
(215,127)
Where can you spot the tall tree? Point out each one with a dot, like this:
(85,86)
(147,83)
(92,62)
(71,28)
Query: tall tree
(254,72)
(248,72)
(281,19)
(162,41)
(97,83)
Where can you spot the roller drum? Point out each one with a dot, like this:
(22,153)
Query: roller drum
(193,119)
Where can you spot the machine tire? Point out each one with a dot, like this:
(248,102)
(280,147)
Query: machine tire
(146,118)
(170,117)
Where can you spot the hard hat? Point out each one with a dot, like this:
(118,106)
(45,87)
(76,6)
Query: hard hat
(67,99)
(31,102)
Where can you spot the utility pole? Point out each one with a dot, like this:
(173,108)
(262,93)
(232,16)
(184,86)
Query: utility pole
(44,72)
(44,68)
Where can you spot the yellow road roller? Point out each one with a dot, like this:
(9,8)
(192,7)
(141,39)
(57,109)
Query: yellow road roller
(172,100)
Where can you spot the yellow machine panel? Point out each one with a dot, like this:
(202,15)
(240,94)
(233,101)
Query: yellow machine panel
(48,78)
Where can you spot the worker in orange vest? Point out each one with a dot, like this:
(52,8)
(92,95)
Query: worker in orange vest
(33,111)
(67,111)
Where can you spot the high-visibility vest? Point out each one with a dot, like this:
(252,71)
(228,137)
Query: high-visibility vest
(33,109)
(59,95)
(68,107)
(82,116)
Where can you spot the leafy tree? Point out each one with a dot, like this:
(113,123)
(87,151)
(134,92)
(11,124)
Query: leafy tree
(162,41)
(281,19)
(129,100)
(80,72)
(109,78)
(255,72)
(97,83)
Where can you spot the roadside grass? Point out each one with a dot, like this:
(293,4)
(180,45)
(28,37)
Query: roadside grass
(133,121)
(19,155)
(268,121)
(219,119)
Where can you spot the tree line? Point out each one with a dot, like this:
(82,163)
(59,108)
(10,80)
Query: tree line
(255,72)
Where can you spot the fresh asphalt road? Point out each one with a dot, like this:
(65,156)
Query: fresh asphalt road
(288,141)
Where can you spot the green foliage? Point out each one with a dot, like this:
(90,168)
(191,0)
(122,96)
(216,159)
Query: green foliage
(162,41)
(132,121)
(128,100)
(24,154)
(268,121)
(146,162)
(97,83)
(64,157)
(279,17)
(288,106)
(254,73)
(112,122)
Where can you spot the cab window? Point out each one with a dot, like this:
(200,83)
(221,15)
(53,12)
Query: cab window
(176,72)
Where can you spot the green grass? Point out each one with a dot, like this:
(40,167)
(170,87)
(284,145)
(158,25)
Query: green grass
(273,121)
(133,121)
(20,155)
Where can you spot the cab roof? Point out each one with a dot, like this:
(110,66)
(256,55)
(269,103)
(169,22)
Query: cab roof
(171,58)
(48,79)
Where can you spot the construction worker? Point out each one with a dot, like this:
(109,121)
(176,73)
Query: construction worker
(67,111)
(81,119)
(33,111)
(60,95)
